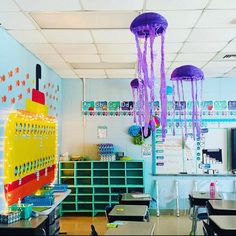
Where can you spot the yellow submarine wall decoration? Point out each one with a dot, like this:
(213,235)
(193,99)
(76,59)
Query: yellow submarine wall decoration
(30,147)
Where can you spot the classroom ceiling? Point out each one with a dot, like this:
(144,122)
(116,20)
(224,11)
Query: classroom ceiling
(91,38)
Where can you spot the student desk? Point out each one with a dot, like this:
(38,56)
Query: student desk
(200,198)
(34,226)
(53,213)
(223,225)
(129,212)
(223,207)
(135,199)
(132,228)
(47,223)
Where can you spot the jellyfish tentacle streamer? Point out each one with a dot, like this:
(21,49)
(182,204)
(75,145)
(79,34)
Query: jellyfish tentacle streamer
(193,74)
(146,27)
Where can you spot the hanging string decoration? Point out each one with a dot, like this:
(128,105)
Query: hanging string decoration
(193,75)
(146,28)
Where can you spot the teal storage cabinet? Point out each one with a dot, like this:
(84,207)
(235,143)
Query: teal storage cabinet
(95,184)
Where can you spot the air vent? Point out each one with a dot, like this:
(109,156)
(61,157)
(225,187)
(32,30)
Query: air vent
(229,56)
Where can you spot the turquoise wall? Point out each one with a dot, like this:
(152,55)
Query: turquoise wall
(17,79)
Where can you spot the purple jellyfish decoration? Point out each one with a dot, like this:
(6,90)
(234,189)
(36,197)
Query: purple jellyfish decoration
(146,27)
(191,74)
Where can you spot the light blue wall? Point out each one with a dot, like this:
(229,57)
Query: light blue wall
(79,133)
(13,55)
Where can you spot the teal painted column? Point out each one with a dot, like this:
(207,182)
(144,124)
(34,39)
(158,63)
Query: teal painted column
(154,151)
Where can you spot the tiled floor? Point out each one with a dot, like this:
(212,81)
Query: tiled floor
(165,225)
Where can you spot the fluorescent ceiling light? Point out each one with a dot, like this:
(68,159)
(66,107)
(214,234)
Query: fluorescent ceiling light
(84,20)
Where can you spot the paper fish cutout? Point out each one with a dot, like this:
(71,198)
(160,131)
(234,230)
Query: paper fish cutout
(4,99)
(10,73)
(23,83)
(18,83)
(13,100)
(17,70)
(3,78)
(9,88)
(27,76)
(28,90)
(20,96)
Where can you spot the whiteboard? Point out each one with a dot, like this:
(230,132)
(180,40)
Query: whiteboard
(174,156)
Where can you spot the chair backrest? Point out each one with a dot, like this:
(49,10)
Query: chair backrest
(191,201)
(119,198)
(93,231)
(207,229)
(210,210)
(108,209)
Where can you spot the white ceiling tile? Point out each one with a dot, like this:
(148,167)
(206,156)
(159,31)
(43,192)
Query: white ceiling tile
(172,16)
(120,71)
(219,4)
(74,58)
(69,48)
(116,48)
(84,20)
(212,74)
(212,35)
(52,5)
(99,5)
(59,65)
(41,48)
(220,65)
(102,65)
(168,57)
(93,76)
(194,56)
(113,36)
(68,36)
(118,58)
(27,36)
(90,72)
(128,76)
(175,4)
(66,73)
(176,35)
(172,47)
(231,73)
(198,64)
(50,58)
(192,47)
(217,19)
(8,5)
(15,20)
(231,47)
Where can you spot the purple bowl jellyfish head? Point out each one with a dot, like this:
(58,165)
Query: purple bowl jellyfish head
(187,72)
(192,74)
(134,83)
(144,24)
(146,27)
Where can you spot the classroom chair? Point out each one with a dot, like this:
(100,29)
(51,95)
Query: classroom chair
(207,229)
(93,231)
(108,209)
(196,213)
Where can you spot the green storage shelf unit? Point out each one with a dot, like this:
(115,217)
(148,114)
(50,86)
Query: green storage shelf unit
(95,184)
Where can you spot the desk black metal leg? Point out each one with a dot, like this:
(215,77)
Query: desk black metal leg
(194,221)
